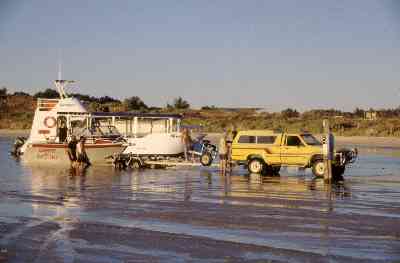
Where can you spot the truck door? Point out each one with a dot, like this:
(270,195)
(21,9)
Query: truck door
(292,151)
(243,146)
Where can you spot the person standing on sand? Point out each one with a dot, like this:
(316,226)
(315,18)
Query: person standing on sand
(186,140)
(62,131)
(81,152)
(229,139)
(223,152)
(71,150)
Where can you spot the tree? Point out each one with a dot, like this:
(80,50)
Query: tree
(20,93)
(359,113)
(3,98)
(104,108)
(3,91)
(212,107)
(107,99)
(180,103)
(47,94)
(83,97)
(135,103)
(290,113)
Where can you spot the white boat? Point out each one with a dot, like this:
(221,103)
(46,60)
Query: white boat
(155,135)
(55,121)
(146,134)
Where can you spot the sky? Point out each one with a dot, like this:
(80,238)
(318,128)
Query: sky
(303,54)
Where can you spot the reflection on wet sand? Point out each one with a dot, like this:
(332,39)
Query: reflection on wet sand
(43,180)
(107,215)
(296,188)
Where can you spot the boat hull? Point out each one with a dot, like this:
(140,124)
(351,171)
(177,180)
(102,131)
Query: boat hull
(155,144)
(56,154)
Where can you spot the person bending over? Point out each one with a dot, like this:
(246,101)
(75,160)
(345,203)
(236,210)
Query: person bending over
(82,157)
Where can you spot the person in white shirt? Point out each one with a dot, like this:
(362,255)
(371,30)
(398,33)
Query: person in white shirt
(223,152)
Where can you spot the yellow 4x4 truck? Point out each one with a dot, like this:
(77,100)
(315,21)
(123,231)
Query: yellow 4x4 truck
(266,151)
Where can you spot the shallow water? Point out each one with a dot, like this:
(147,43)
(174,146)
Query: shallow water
(178,215)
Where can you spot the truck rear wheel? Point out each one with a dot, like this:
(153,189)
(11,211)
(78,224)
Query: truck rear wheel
(255,166)
(318,168)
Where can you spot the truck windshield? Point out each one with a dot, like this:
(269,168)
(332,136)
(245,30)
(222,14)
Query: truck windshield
(310,140)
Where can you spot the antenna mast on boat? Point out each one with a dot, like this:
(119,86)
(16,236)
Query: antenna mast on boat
(60,83)
(59,68)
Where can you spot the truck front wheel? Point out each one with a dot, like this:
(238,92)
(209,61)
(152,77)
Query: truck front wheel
(318,168)
(255,166)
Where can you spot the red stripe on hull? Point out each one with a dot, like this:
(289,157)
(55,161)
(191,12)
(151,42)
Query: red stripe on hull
(86,145)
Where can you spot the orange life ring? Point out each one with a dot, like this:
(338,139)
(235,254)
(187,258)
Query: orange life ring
(50,122)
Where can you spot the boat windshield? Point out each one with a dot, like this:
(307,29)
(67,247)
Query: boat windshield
(97,129)
(108,130)
(310,140)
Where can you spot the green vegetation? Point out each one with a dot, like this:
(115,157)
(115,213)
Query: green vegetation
(16,112)
(179,104)
(47,93)
(3,91)
(135,104)
(387,122)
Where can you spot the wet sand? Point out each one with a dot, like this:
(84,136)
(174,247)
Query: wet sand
(188,215)
(13,132)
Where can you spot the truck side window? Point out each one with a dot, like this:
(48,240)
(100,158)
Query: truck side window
(293,141)
(247,139)
(266,139)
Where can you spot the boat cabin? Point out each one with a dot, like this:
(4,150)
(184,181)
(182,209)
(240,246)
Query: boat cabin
(133,124)
(56,120)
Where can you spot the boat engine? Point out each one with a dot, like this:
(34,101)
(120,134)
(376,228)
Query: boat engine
(205,150)
(347,156)
(18,143)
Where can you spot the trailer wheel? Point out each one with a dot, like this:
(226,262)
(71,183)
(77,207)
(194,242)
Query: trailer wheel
(135,164)
(206,159)
(256,166)
(318,168)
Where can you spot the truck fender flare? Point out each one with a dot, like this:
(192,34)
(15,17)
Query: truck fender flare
(255,156)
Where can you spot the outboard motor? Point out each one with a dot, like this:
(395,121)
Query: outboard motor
(347,156)
(18,143)
(205,150)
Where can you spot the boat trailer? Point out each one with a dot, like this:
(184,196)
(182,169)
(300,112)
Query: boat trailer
(202,151)
(136,162)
